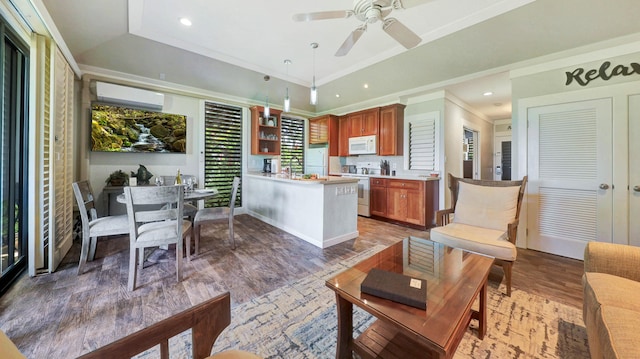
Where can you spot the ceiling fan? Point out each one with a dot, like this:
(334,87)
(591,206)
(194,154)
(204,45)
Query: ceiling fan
(369,12)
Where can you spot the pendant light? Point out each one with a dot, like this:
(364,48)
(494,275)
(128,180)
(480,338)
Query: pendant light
(267,110)
(287,100)
(314,90)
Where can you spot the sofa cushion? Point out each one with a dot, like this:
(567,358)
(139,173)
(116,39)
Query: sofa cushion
(475,239)
(618,331)
(605,289)
(485,206)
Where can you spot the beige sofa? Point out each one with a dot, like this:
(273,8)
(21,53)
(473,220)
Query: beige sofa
(611,308)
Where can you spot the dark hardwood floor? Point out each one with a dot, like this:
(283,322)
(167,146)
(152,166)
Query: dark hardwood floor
(63,315)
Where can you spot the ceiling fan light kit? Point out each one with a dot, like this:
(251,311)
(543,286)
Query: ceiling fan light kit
(369,12)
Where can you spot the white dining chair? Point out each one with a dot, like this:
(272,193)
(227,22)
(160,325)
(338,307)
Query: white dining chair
(208,215)
(155,227)
(92,225)
(189,208)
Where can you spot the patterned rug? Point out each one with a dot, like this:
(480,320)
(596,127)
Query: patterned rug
(299,321)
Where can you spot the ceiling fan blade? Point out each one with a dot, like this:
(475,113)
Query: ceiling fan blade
(406,4)
(401,33)
(323,15)
(351,40)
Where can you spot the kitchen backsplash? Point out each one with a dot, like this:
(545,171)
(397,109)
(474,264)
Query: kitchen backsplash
(395,163)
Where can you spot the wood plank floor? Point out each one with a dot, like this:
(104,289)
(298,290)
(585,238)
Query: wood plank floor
(63,315)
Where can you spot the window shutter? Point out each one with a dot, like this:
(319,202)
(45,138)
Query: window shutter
(423,142)
(222,151)
(292,143)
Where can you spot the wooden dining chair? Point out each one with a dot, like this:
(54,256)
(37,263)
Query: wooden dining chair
(92,225)
(155,227)
(208,215)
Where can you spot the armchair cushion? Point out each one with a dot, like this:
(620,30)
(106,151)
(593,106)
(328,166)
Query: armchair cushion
(476,239)
(619,326)
(486,206)
(8,350)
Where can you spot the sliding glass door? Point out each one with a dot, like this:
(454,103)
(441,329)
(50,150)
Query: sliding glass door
(13,153)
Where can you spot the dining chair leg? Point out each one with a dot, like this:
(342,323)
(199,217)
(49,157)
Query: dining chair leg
(84,252)
(131,284)
(196,237)
(141,257)
(92,248)
(232,238)
(179,260)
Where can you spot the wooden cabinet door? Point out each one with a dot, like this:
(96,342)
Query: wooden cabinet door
(343,134)
(415,207)
(370,122)
(396,203)
(356,121)
(378,197)
(319,130)
(391,132)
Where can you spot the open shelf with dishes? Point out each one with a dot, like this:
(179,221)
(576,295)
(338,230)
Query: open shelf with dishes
(265,132)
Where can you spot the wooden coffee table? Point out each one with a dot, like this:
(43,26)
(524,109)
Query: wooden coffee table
(455,279)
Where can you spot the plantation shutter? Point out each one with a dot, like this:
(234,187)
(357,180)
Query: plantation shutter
(423,142)
(222,151)
(292,143)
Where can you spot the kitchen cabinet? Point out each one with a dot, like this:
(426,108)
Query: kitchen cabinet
(364,123)
(410,202)
(343,136)
(265,133)
(325,129)
(391,131)
(378,197)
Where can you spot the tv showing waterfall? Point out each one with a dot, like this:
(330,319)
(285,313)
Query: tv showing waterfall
(123,129)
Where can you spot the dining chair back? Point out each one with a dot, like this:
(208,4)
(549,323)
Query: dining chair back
(207,215)
(92,225)
(189,208)
(155,227)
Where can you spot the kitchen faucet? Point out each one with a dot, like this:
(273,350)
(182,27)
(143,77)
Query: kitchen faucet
(291,174)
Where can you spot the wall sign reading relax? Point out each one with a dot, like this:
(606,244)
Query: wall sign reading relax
(583,77)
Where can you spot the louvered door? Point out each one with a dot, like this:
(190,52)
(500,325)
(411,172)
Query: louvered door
(570,175)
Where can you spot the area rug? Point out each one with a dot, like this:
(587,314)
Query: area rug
(299,321)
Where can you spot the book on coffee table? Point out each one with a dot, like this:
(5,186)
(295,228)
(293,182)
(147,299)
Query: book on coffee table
(396,287)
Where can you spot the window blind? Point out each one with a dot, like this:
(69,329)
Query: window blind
(422,143)
(222,151)
(292,143)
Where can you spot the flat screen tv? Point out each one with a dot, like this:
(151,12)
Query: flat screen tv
(124,129)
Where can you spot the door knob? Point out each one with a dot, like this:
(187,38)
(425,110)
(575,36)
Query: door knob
(636,188)
(604,186)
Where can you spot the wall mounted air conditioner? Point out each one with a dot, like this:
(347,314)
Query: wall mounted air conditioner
(123,95)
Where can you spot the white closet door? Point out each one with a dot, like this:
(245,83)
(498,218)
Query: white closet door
(570,175)
(634,170)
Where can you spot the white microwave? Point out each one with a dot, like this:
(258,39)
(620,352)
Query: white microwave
(363,145)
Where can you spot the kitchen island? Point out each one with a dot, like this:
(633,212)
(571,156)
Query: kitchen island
(323,212)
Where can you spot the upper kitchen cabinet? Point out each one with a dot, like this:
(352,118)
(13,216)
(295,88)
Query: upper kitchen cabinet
(343,136)
(364,123)
(325,129)
(391,132)
(265,132)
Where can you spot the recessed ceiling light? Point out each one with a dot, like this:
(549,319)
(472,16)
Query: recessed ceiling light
(184,21)
(337,95)
(366,86)
(488,93)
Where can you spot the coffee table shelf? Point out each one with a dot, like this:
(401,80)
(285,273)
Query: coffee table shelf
(383,341)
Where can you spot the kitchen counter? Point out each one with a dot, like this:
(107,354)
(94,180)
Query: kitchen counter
(323,212)
(401,177)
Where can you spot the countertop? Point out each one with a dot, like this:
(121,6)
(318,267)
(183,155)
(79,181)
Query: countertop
(298,180)
(401,177)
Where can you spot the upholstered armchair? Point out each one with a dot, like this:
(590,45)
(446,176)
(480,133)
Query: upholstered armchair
(483,218)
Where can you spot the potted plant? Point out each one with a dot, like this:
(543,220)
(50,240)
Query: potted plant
(117,178)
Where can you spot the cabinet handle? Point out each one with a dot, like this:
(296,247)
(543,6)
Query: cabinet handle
(636,188)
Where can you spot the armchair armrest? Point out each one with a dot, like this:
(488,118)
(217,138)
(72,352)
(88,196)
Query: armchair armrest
(512,231)
(443,216)
(207,320)
(616,259)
